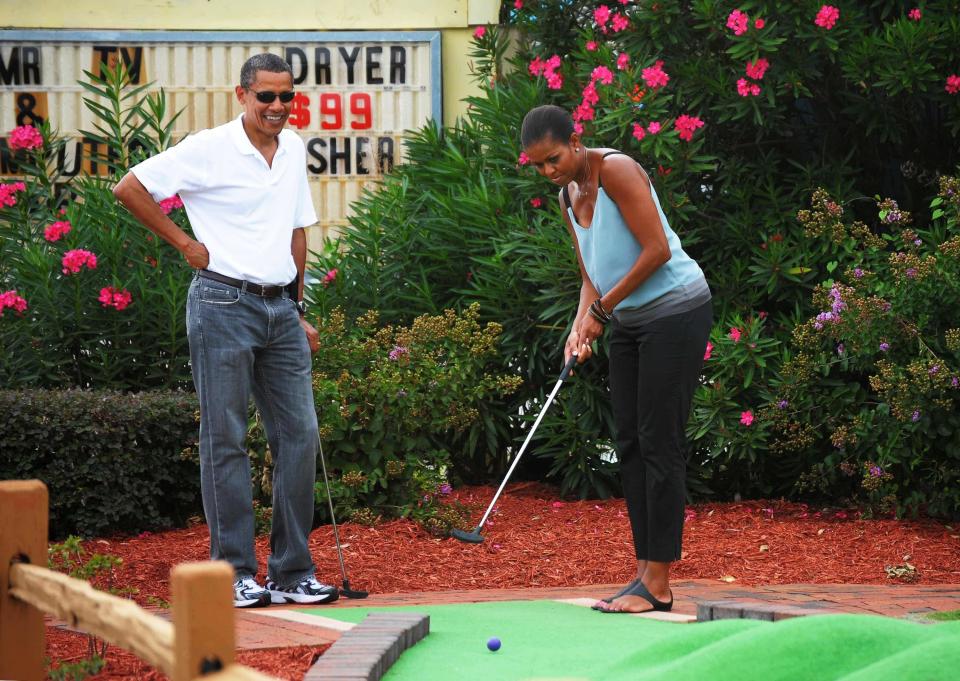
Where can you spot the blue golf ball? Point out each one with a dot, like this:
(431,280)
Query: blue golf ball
(494,644)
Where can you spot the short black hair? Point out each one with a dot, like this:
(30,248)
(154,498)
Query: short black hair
(262,62)
(546,121)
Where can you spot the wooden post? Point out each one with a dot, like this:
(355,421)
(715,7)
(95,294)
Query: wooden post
(23,536)
(203,619)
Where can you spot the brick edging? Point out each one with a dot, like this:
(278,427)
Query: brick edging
(756,610)
(367,651)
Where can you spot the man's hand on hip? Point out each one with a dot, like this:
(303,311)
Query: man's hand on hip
(196,255)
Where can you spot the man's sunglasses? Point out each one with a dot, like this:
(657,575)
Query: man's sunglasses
(267,96)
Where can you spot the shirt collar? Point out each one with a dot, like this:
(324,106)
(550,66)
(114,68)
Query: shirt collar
(243,143)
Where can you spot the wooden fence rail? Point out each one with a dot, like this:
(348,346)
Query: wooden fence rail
(199,641)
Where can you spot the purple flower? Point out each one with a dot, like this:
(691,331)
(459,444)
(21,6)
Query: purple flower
(840,348)
(916,416)
(782,404)
(955,382)
(876,471)
(884,347)
(917,242)
(934,369)
(445,489)
(911,272)
(858,273)
(397,352)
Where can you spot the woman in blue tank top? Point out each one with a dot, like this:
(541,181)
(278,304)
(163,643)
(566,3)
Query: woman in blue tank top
(636,278)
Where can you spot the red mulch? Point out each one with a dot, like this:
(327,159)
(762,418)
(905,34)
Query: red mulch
(535,540)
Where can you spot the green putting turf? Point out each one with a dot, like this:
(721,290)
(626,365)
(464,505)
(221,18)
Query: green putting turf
(543,639)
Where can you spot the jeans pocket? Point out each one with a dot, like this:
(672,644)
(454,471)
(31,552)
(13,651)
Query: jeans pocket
(218,294)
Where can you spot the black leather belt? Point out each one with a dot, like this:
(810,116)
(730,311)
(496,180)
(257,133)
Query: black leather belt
(264,290)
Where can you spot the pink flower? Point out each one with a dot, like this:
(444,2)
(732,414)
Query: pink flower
(7,192)
(536,202)
(25,137)
(13,301)
(330,277)
(480,32)
(170,204)
(655,76)
(548,70)
(654,128)
(953,85)
(578,128)
(601,15)
(915,14)
(584,112)
(737,22)
(518,4)
(747,89)
(590,95)
(706,355)
(56,231)
(756,69)
(638,131)
(603,74)
(74,260)
(591,46)
(686,125)
(734,334)
(623,61)
(619,23)
(115,298)
(523,159)
(827,17)
(746,418)
(759,23)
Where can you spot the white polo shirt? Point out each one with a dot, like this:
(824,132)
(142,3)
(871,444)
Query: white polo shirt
(241,209)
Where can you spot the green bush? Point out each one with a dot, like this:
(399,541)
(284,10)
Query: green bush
(102,299)
(393,402)
(874,379)
(113,462)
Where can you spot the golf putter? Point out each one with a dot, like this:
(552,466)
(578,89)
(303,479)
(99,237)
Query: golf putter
(474,536)
(345,590)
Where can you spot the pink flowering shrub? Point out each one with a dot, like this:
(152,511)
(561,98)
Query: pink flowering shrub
(80,260)
(731,165)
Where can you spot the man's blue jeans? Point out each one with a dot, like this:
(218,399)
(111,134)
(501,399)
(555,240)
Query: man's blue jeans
(242,344)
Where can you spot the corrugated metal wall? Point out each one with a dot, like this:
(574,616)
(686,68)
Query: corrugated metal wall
(333,111)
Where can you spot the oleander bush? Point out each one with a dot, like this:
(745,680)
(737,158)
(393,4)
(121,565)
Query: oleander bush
(740,112)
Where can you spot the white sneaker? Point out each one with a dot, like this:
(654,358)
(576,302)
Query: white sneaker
(307,590)
(248,594)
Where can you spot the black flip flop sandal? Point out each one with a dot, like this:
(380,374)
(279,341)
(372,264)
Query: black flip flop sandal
(643,592)
(623,592)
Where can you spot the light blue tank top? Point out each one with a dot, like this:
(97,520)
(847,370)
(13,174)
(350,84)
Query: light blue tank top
(609,250)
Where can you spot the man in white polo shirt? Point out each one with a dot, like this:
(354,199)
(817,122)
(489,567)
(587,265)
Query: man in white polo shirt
(244,187)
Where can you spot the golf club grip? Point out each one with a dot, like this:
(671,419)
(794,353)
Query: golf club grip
(565,374)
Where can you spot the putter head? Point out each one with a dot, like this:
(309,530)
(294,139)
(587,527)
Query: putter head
(347,592)
(470,537)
